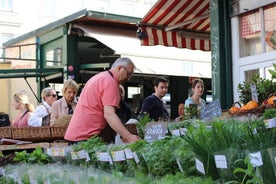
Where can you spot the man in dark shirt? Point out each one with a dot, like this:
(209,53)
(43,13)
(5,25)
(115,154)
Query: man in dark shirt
(153,104)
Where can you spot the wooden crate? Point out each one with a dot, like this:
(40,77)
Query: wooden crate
(5,132)
(58,131)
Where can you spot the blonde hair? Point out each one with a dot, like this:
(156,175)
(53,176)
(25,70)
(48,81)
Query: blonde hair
(22,97)
(70,83)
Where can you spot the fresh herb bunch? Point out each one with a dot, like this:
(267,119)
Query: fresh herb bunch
(269,113)
(103,165)
(137,147)
(159,156)
(143,119)
(264,87)
(120,166)
(91,145)
(37,156)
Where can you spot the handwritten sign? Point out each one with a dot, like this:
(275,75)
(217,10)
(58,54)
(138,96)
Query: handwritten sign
(254,93)
(155,131)
(211,110)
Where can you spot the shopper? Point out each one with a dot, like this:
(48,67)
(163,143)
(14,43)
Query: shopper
(124,110)
(67,104)
(25,109)
(197,92)
(41,115)
(153,104)
(181,111)
(95,114)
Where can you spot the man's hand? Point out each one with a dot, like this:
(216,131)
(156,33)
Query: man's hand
(130,138)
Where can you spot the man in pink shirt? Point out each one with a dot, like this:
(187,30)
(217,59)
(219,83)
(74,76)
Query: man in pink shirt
(95,113)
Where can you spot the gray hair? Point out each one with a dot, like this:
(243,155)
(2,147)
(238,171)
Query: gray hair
(45,92)
(124,61)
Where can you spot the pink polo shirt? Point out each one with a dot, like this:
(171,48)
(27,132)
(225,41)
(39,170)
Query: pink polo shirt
(88,118)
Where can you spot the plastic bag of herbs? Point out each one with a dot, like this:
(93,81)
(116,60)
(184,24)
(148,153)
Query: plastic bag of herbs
(104,160)
(137,150)
(90,146)
(119,162)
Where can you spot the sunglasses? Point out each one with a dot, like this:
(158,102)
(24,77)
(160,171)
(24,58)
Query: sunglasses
(53,95)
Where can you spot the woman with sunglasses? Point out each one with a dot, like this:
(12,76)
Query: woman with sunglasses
(25,109)
(41,115)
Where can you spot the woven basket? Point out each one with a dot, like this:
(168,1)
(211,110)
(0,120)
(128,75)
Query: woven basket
(58,132)
(131,128)
(63,121)
(31,133)
(257,111)
(5,132)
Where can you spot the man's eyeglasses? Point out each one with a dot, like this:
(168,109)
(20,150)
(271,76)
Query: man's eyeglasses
(129,74)
(53,95)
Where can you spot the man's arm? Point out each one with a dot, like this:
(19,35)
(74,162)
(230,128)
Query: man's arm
(115,123)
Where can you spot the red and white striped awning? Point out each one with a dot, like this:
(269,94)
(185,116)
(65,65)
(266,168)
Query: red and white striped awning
(177,23)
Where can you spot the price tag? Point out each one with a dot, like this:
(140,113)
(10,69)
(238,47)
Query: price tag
(270,123)
(82,154)
(128,153)
(200,166)
(103,156)
(137,160)
(56,151)
(183,131)
(155,131)
(118,155)
(256,159)
(175,132)
(254,93)
(221,161)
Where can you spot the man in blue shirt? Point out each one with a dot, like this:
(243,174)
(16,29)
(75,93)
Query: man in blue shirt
(153,104)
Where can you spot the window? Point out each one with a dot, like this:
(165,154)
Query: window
(6,5)
(54,57)
(249,74)
(258,31)
(132,90)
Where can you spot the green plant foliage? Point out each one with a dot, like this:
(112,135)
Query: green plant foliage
(264,87)
(269,113)
(143,119)
(91,146)
(37,156)
(273,72)
(159,156)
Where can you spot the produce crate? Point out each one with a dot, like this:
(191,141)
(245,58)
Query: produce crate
(5,132)
(131,128)
(58,132)
(31,133)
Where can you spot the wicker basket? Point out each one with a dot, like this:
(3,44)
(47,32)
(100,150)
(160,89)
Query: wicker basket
(257,111)
(5,132)
(62,121)
(131,128)
(58,132)
(31,133)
